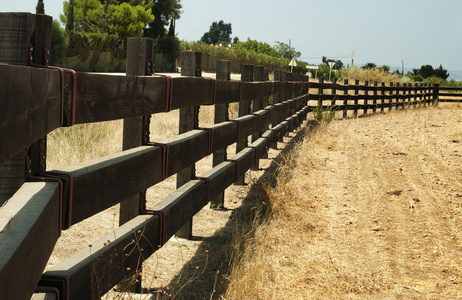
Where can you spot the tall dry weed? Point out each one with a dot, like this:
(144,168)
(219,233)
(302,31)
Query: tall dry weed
(370,75)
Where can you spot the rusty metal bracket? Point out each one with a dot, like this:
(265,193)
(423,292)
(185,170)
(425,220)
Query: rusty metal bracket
(53,283)
(161,214)
(61,70)
(207,187)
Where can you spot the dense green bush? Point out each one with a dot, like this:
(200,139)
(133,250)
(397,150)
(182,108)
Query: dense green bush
(238,57)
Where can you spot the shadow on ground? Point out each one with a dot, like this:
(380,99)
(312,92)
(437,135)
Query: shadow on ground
(215,254)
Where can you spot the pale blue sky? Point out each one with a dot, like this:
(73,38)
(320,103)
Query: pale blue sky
(417,32)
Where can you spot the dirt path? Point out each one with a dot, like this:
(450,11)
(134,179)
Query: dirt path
(382,197)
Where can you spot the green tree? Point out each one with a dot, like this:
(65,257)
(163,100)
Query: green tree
(164,12)
(258,47)
(385,68)
(337,65)
(40,8)
(121,19)
(93,27)
(58,44)
(219,32)
(441,73)
(426,71)
(369,66)
(284,51)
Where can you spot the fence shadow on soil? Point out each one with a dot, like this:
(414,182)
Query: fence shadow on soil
(215,253)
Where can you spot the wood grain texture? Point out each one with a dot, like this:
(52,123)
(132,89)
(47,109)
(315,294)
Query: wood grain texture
(221,115)
(29,229)
(96,269)
(103,97)
(224,134)
(186,149)
(181,205)
(243,160)
(104,182)
(191,91)
(220,178)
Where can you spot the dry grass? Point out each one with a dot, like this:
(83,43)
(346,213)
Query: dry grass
(371,75)
(368,209)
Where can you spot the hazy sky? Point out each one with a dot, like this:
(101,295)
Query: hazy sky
(389,32)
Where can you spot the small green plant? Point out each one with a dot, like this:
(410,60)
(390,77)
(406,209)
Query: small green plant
(323,115)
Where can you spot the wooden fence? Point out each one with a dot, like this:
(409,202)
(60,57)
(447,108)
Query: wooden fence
(37,205)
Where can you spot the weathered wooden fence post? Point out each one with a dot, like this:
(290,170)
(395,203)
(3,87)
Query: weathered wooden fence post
(26,39)
(390,101)
(191,63)
(356,103)
(221,115)
(374,101)
(436,93)
(334,94)
(19,30)
(139,52)
(265,102)
(345,100)
(321,93)
(366,97)
(244,109)
(277,96)
(258,73)
(382,100)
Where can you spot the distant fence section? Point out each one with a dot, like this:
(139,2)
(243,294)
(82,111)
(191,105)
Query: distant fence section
(36,205)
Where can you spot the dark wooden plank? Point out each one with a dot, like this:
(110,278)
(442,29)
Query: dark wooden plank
(104,182)
(99,267)
(227,91)
(250,91)
(219,178)
(269,135)
(244,160)
(181,205)
(191,91)
(260,146)
(105,97)
(186,149)
(246,125)
(263,119)
(223,135)
(29,229)
(450,94)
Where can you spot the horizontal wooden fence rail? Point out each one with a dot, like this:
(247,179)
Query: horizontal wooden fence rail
(450,94)
(37,99)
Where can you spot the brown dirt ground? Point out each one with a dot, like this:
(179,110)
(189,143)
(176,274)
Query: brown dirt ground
(387,196)
(373,210)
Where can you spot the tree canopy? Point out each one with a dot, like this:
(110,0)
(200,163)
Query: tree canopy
(427,71)
(120,18)
(219,32)
(284,51)
(164,11)
(258,47)
(40,8)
